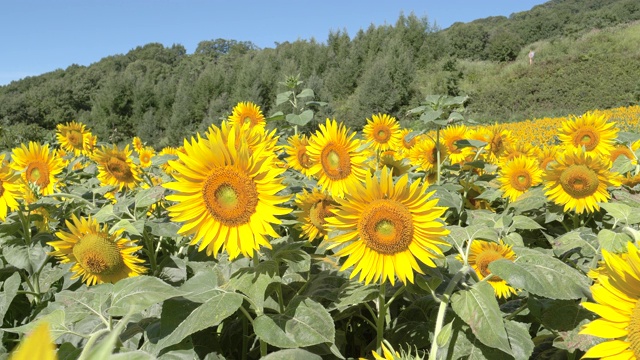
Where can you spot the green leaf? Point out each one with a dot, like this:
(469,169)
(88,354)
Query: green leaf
(148,197)
(211,313)
(283,97)
(138,293)
(582,239)
(128,226)
(202,286)
(430,115)
(520,340)
(305,93)
(292,354)
(524,223)
(105,214)
(132,355)
(460,235)
(456,116)
(9,291)
(254,282)
(541,274)
(444,335)
(166,229)
(622,212)
(300,120)
(613,241)
(25,257)
(470,143)
(479,308)
(304,323)
(276,116)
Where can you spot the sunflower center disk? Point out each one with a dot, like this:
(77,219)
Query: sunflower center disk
(38,173)
(587,138)
(119,169)
(247,120)
(386,227)
(303,158)
(336,161)
(579,181)
(484,259)
(230,195)
(521,181)
(634,330)
(1,188)
(98,255)
(319,212)
(75,139)
(383,135)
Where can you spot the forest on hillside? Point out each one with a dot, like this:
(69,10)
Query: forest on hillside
(163,94)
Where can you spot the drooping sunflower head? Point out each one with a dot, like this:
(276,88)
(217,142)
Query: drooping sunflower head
(591,131)
(38,165)
(519,175)
(337,163)
(501,138)
(514,150)
(622,150)
(387,227)
(72,137)
(383,131)
(408,139)
(314,207)
(389,159)
(10,189)
(616,294)
(424,154)
(97,256)
(116,168)
(450,135)
(297,154)
(547,155)
(247,113)
(225,196)
(166,166)
(483,253)
(145,155)
(579,181)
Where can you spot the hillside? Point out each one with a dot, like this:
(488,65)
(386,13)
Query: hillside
(585,59)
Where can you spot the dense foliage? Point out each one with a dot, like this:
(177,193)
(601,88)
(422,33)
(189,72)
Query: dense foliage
(162,93)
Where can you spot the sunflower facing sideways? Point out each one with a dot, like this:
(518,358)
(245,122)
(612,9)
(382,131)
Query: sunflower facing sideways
(297,155)
(519,175)
(10,189)
(98,256)
(225,197)
(38,166)
(116,168)
(616,293)
(314,207)
(386,228)
(590,131)
(383,131)
(481,254)
(73,137)
(337,163)
(247,112)
(579,181)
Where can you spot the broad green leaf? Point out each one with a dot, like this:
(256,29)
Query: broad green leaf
(533,199)
(150,196)
(203,285)
(305,93)
(166,229)
(56,324)
(456,116)
(622,212)
(209,314)
(304,323)
(128,226)
(9,291)
(138,293)
(277,116)
(558,315)
(25,257)
(132,355)
(613,241)
(301,119)
(572,340)
(520,340)
(524,223)
(105,214)
(542,275)
(254,282)
(479,308)
(283,97)
(461,235)
(430,115)
(582,239)
(292,354)
(444,335)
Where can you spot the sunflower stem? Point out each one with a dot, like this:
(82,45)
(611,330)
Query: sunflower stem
(26,228)
(576,220)
(442,310)
(382,314)
(245,337)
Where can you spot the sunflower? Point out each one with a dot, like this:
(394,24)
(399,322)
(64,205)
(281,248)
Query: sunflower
(514,150)
(72,137)
(37,344)
(383,131)
(256,137)
(92,142)
(314,207)
(622,150)
(98,255)
(116,168)
(501,138)
(226,197)
(407,140)
(579,181)
(297,154)
(166,166)
(38,166)
(481,254)
(386,227)
(519,175)
(145,155)
(547,155)
(337,163)
(616,292)
(399,166)
(424,154)
(450,135)
(387,354)
(247,112)
(137,144)
(10,189)
(591,131)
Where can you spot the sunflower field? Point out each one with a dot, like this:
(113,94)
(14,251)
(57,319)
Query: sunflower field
(444,239)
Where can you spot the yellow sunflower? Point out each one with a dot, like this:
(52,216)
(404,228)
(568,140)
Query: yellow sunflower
(257,138)
(622,150)
(481,254)
(92,142)
(450,135)
(247,112)
(386,227)
(98,256)
(38,166)
(501,139)
(616,293)
(591,131)
(297,155)
(37,344)
(383,131)
(166,167)
(72,137)
(424,154)
(226,197)
(514,150)
(387,354)
(547,155)
(519,175)
(399,166)
(336,161)
(407,141)
(137,144)
(145,155)
(579,181)
(10,189)
(116,168)
(314,207)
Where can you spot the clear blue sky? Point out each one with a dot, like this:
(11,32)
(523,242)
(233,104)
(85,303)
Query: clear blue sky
(39,36)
